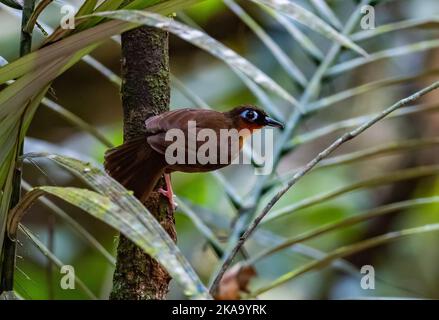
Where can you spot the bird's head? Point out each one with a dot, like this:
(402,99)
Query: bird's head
(252,118)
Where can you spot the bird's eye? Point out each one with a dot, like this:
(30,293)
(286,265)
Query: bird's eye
(249,115)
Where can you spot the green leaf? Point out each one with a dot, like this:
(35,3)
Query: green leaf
(77,121)
(87,7)
(7,174)
(12,3)
(53,258)
(78,45)
(429,22)
(349,123)
(311,21)
(119,208)
(367,87)
(394,176)
(140,4)
(346,251)
(107,5)
(267,238)
(297,34)
(289,66)
(381,55)
(205,42)
(195,99)
(80,230)
(325,11)
(10,148)
(381,150)
(200,225)
(361,217)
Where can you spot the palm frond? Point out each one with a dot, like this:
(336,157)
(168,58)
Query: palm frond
(346,251)
(120,209)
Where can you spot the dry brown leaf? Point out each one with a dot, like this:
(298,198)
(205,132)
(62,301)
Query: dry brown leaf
(234,282)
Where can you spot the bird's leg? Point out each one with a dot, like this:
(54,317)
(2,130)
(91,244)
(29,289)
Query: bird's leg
(168,193)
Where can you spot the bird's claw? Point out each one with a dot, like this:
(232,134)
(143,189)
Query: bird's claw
(170,197)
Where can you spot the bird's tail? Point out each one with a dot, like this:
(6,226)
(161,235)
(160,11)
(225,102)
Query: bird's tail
(136,166)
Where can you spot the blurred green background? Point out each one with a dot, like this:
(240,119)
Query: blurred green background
(405,268)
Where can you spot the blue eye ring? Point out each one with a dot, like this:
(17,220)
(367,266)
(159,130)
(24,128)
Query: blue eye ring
(250,115)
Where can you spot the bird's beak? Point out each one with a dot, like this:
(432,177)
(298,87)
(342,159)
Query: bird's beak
(273,123)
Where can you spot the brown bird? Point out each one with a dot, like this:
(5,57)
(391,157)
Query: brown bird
(139,163)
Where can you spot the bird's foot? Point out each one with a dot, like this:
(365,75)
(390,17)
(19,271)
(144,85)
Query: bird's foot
(168,195)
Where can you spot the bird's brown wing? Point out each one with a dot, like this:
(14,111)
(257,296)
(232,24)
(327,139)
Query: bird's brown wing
(160,126)
(179,119)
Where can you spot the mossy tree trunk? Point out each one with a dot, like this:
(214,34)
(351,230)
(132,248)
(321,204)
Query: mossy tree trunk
(145,93)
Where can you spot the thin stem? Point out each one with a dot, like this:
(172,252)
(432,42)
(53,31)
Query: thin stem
(201,226)
(77,121)
(32,21)
(52,257)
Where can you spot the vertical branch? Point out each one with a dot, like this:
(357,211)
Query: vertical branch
(145,92)
(9,246)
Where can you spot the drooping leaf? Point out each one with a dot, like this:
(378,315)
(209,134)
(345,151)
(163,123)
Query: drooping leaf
(10,148)
(205,42)
(107,5)
(119,208)
(78,44)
